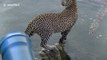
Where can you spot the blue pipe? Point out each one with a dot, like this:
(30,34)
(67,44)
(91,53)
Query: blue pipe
(16,46)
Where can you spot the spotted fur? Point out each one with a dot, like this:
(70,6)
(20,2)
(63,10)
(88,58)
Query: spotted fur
(46,24)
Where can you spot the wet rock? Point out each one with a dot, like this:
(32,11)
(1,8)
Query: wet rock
(57,53)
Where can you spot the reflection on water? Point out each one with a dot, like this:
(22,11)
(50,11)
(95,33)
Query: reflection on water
(99,17)
(80,45)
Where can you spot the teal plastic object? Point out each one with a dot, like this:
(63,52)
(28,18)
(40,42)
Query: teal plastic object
(16,46)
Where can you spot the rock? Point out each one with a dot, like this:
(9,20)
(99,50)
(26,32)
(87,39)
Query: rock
(57,53)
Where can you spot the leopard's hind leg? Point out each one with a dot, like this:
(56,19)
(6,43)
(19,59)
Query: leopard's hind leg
(64,36)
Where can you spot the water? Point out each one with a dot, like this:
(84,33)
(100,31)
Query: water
(80,45)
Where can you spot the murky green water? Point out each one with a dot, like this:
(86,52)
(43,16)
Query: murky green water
(80,45)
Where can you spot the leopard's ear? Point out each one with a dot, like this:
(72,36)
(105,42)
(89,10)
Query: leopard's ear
(67,2)
(64,3)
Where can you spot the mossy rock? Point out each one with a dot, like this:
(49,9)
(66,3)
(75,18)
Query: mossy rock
(57,53)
